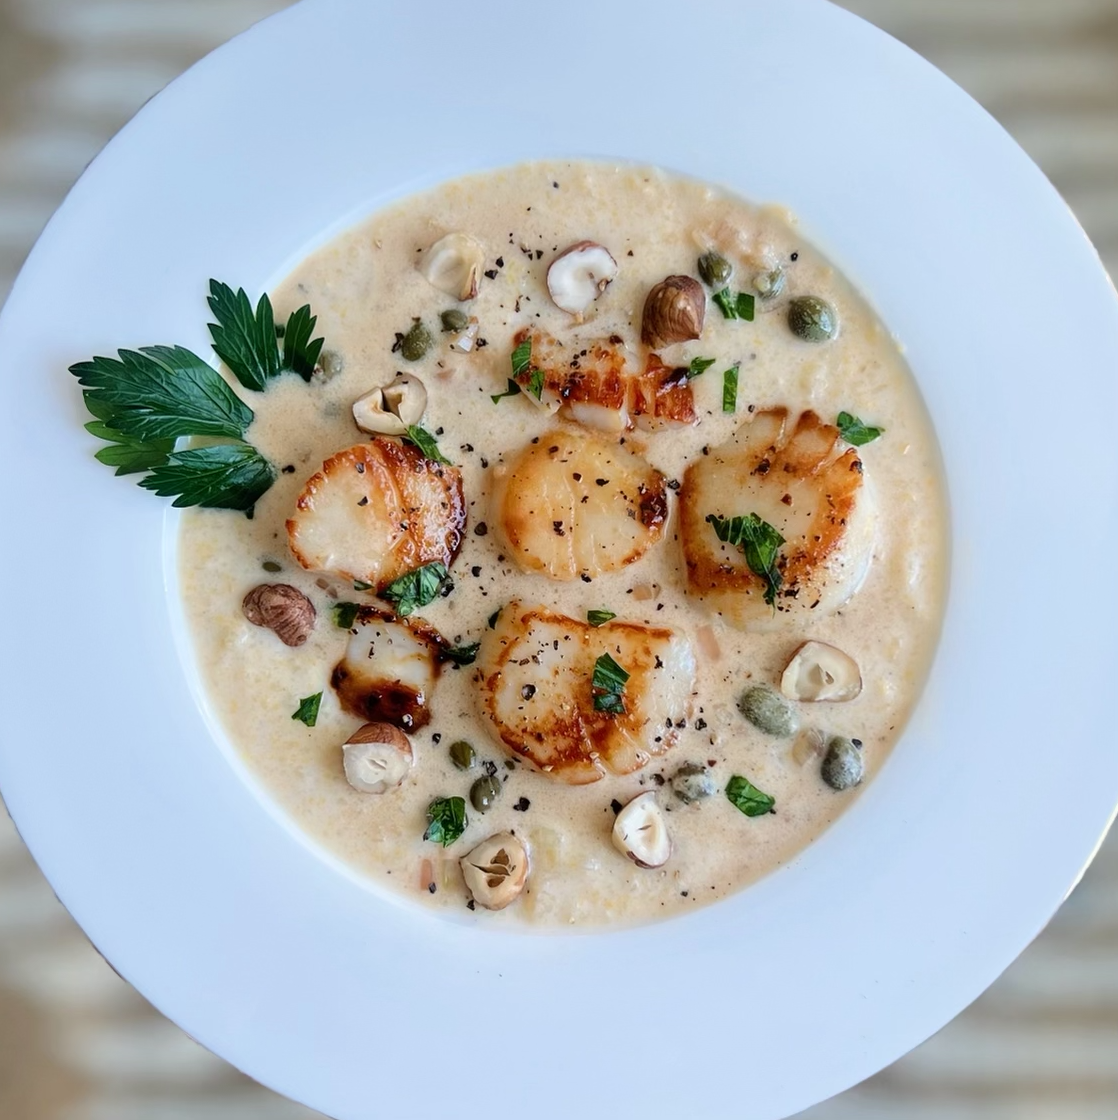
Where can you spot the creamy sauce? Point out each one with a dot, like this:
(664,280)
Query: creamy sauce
(365,287)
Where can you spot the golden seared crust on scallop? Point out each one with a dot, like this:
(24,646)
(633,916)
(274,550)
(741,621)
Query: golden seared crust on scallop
(389,669)
(376,511)
(594,386)
(574,504)
(796,474)
(536,670)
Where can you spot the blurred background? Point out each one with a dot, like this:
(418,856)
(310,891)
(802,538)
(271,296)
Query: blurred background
(77,1043)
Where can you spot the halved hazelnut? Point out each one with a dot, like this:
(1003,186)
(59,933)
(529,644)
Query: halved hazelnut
(391,409)
(641,832)
(453,265)
(673,312)
(820,672)
(579,275)
(496,870)
(281,608)
(376,757)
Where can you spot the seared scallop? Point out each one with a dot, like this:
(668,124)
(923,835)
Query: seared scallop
(795,474)
(594,386)
(537,674)
(574,504)
(376,511)
(389,669)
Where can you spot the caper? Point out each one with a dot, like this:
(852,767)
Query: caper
(768,711)
(812,319)
(484,792)
(462,755)
(715,269)
(416,342)
(843,765)
(692,782)
(454,320)
(330,363)
(768,285)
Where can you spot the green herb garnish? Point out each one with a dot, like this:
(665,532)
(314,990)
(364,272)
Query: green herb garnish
(535,383)
(491,622)
(743,794)
(522,358)
(854,431)
(307,712)
(446,820)
(162,392)
(248,341)
(426,443)
(735,305)
(609,686)
(730,388)
(418,588)
(761,544)
(512,391)
(361,585)
(345,614)
(128,455)
(699,365)
(461,655)
(599,618)
(225,476)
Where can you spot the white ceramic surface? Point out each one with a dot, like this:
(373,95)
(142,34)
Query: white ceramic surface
(821,974)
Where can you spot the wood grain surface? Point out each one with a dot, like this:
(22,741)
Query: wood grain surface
(76,1043)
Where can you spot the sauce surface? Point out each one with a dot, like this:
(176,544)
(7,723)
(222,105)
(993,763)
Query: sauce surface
(365,288)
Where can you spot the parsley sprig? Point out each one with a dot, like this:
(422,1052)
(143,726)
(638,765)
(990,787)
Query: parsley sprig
(246,340)
(735,305)
(144,400)
(760,543)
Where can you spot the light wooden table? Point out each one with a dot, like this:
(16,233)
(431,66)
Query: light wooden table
(76,1043)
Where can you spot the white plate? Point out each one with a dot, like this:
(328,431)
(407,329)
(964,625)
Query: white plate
(826,971)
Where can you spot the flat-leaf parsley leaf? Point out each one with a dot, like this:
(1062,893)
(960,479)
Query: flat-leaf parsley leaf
(760,543)
(418,588)
(446,820)
(735,305)
(226,476)
(854,431)
(609,686)
(426,443)
(307,712)
(748,798)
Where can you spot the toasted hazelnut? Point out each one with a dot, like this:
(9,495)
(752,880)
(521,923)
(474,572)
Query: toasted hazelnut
(376,757)
(641,832)
(819,672)
(453,265)
(391,409)
(281,608)
(673,312)
(496,870)
(579,275)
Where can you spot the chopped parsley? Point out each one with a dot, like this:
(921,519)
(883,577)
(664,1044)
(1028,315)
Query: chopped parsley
(426,443)
(599,618)
(609,686)
(760,543)
(730,388)
(307,712)
(744,795)
(446,820)
(345,614)
(522,358)
(698,366)
(461,655)
(418,588)
(735,305)
(512,391)
(854,431)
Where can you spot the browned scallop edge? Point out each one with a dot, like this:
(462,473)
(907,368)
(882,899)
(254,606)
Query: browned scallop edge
(398,455)
(397,704)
